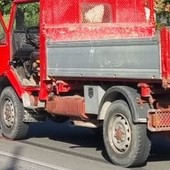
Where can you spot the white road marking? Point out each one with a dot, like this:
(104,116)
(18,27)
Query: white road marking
(32,161)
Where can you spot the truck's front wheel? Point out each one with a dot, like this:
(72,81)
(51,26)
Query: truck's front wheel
(126,143)
(11,115)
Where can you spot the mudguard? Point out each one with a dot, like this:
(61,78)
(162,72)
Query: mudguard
(131,96)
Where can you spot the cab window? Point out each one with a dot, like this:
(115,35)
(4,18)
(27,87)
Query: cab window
(2,35)
(27,16)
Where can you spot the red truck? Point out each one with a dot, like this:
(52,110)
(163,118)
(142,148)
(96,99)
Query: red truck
(96,63)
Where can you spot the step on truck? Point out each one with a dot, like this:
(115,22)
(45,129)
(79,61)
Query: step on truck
(96,63)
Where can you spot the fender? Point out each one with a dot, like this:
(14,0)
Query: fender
(131,96)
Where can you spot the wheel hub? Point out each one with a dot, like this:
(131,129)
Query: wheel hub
(8,113)
(120,134)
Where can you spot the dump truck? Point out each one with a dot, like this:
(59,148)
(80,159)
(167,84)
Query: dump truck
(95,63)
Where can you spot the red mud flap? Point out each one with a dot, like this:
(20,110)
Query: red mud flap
(159,120)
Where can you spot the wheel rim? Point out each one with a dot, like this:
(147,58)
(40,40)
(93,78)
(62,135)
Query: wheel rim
(119,133)
(8,113)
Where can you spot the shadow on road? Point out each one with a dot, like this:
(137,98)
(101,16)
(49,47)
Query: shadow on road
(86,138)
(78,137)
(160,147)
(13,160)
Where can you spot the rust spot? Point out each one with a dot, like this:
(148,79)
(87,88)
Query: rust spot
(159,120)
(72,106)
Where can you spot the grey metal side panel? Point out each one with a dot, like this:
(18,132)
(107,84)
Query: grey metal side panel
(107,59)
(93,96)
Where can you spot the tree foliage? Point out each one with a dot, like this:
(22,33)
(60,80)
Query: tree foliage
(5,6)
(30,11)
(162,6)
(162,9)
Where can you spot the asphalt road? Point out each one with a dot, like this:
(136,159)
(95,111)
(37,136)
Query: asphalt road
(57,146)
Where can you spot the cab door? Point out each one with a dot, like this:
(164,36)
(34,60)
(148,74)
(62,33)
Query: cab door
(4,46)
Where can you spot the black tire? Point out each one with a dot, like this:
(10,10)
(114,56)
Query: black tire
(11,115)
(126,143)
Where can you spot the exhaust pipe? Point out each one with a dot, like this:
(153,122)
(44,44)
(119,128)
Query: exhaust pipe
(89,124)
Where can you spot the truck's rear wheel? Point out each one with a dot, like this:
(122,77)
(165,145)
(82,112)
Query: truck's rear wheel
(11,115)
(126,143)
